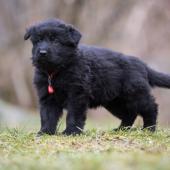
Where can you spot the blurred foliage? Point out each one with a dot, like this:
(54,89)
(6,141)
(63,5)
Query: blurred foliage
(135,27)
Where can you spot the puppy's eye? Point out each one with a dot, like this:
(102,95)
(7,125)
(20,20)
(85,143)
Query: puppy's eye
(37,39)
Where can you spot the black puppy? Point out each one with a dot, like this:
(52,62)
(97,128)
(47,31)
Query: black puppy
(77,77)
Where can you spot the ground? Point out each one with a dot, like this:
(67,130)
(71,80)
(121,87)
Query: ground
(98,149)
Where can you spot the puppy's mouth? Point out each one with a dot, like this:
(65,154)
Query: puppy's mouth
(42,63)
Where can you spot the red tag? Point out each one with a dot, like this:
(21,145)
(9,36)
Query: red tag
(50,89)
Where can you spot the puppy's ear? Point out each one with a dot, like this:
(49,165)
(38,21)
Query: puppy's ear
(74,35)
(28,33)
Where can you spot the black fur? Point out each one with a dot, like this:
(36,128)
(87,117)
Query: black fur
(87,77)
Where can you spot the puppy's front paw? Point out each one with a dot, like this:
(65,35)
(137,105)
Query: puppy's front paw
(72,131)
(122,128)
(150,129)
(39,134)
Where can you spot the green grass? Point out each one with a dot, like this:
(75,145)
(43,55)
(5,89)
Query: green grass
(98,150)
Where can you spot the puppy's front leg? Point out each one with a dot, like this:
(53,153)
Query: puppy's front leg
(76,116)
(50,114)
(50,108)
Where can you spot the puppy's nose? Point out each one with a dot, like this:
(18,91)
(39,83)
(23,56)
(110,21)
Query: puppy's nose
(43,52)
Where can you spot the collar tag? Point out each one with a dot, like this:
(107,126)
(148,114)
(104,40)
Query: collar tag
(50,87)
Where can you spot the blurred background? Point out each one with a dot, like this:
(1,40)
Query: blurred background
(136,27)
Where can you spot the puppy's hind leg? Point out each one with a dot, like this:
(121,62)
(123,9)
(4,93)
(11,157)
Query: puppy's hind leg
(127,120)
(127,117)
(149,111)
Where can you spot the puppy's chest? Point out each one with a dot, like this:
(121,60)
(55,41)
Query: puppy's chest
(59,85)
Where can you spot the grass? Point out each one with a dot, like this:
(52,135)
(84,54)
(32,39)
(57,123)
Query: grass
(95,149)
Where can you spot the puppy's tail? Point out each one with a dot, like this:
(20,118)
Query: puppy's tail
(158,79)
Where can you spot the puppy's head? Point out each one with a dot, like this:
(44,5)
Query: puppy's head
(54,43)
